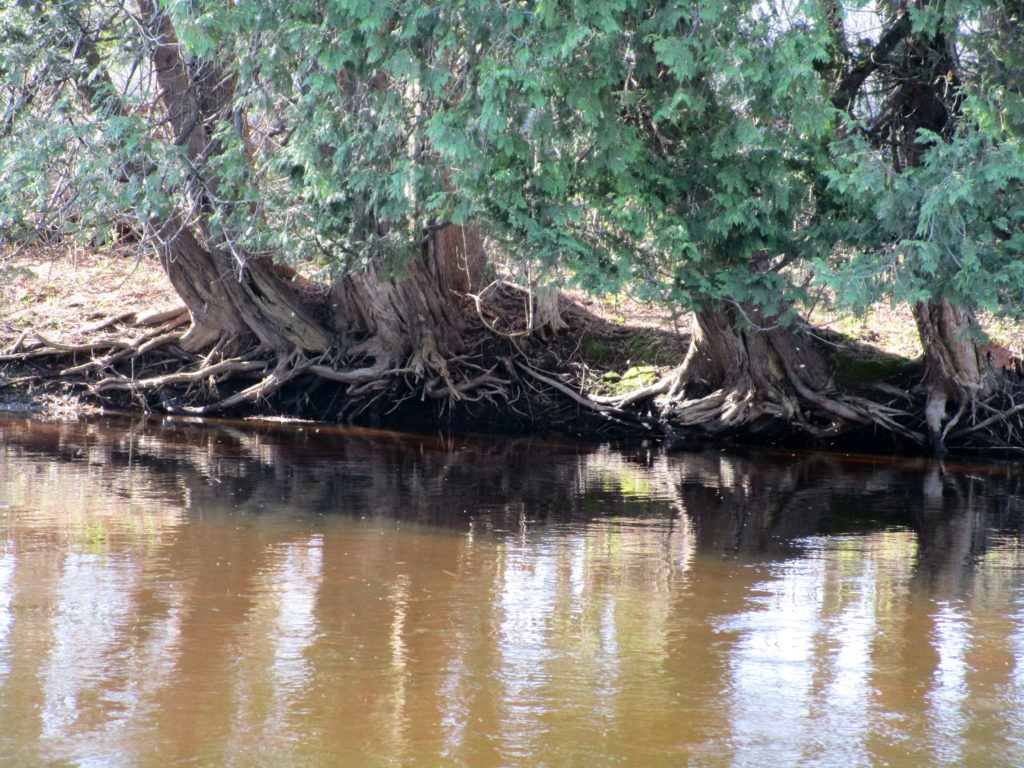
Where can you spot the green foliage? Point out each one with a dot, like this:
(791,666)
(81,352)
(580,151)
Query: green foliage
(948,224)
(67,167)
(687,151)
(951,228)
(651,145)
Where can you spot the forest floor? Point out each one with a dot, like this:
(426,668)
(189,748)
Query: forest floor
(63,296)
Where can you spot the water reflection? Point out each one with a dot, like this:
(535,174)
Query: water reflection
(182,594)
(7,562)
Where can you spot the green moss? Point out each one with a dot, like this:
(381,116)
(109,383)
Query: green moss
(653,350)
(638,349)
(614,383)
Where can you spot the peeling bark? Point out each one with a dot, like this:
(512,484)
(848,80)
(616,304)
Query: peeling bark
(737,375)
(957,372)
(409,326)
(464,256)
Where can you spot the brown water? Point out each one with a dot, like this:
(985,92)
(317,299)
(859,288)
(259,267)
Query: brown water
(228,595)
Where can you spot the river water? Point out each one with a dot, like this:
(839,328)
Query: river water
(227,594)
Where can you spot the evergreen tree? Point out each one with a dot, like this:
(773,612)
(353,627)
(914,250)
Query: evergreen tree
(930,180)
(679,150)
(235,134)
(719,156)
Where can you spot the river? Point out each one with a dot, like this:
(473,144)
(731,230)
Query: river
(176,593)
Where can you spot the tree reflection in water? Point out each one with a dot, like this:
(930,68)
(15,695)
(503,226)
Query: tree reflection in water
(190,594)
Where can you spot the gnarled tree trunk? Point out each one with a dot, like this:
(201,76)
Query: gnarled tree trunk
(738,376)
(957,372)
(230,303)
(410,326)
(374,330)
(546,317)
(735,374)
(382,328)
(229,294)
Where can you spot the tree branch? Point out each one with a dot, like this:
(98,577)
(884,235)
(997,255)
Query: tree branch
(850,85)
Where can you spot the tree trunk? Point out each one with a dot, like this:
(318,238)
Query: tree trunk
(546,319)
(232,306)
(411,326)
(956,372)
(740,376)
(382,329)
(924,96)
(463,256)
(407,327)
(735,376)
(410,329)
(230,295)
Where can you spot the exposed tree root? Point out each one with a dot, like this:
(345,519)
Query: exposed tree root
(145,366)
(612,413)
(734,381)
(144,343)
(136,358)
(998,421)
(283,372)
(222,369)
(45,347)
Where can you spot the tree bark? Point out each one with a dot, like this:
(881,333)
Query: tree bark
(230,295)
(408,326)
(745,377)
(957,372)
(463,256)
(229,306)
(733,375)
(546,319)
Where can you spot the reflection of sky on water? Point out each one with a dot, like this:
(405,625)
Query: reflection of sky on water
(454,693)
(526,602)
(7,564)
(800,677)
(272,672)
(948,693)
(94,606)
(583,638)
(806,660)
(771,666)
(1015,715)
(295,583)
(105,663)
(843,696)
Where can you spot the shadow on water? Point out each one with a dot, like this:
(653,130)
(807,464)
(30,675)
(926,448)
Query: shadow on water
(754,506)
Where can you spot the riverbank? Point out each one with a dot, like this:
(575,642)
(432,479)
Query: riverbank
(94,305)
(84,302)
